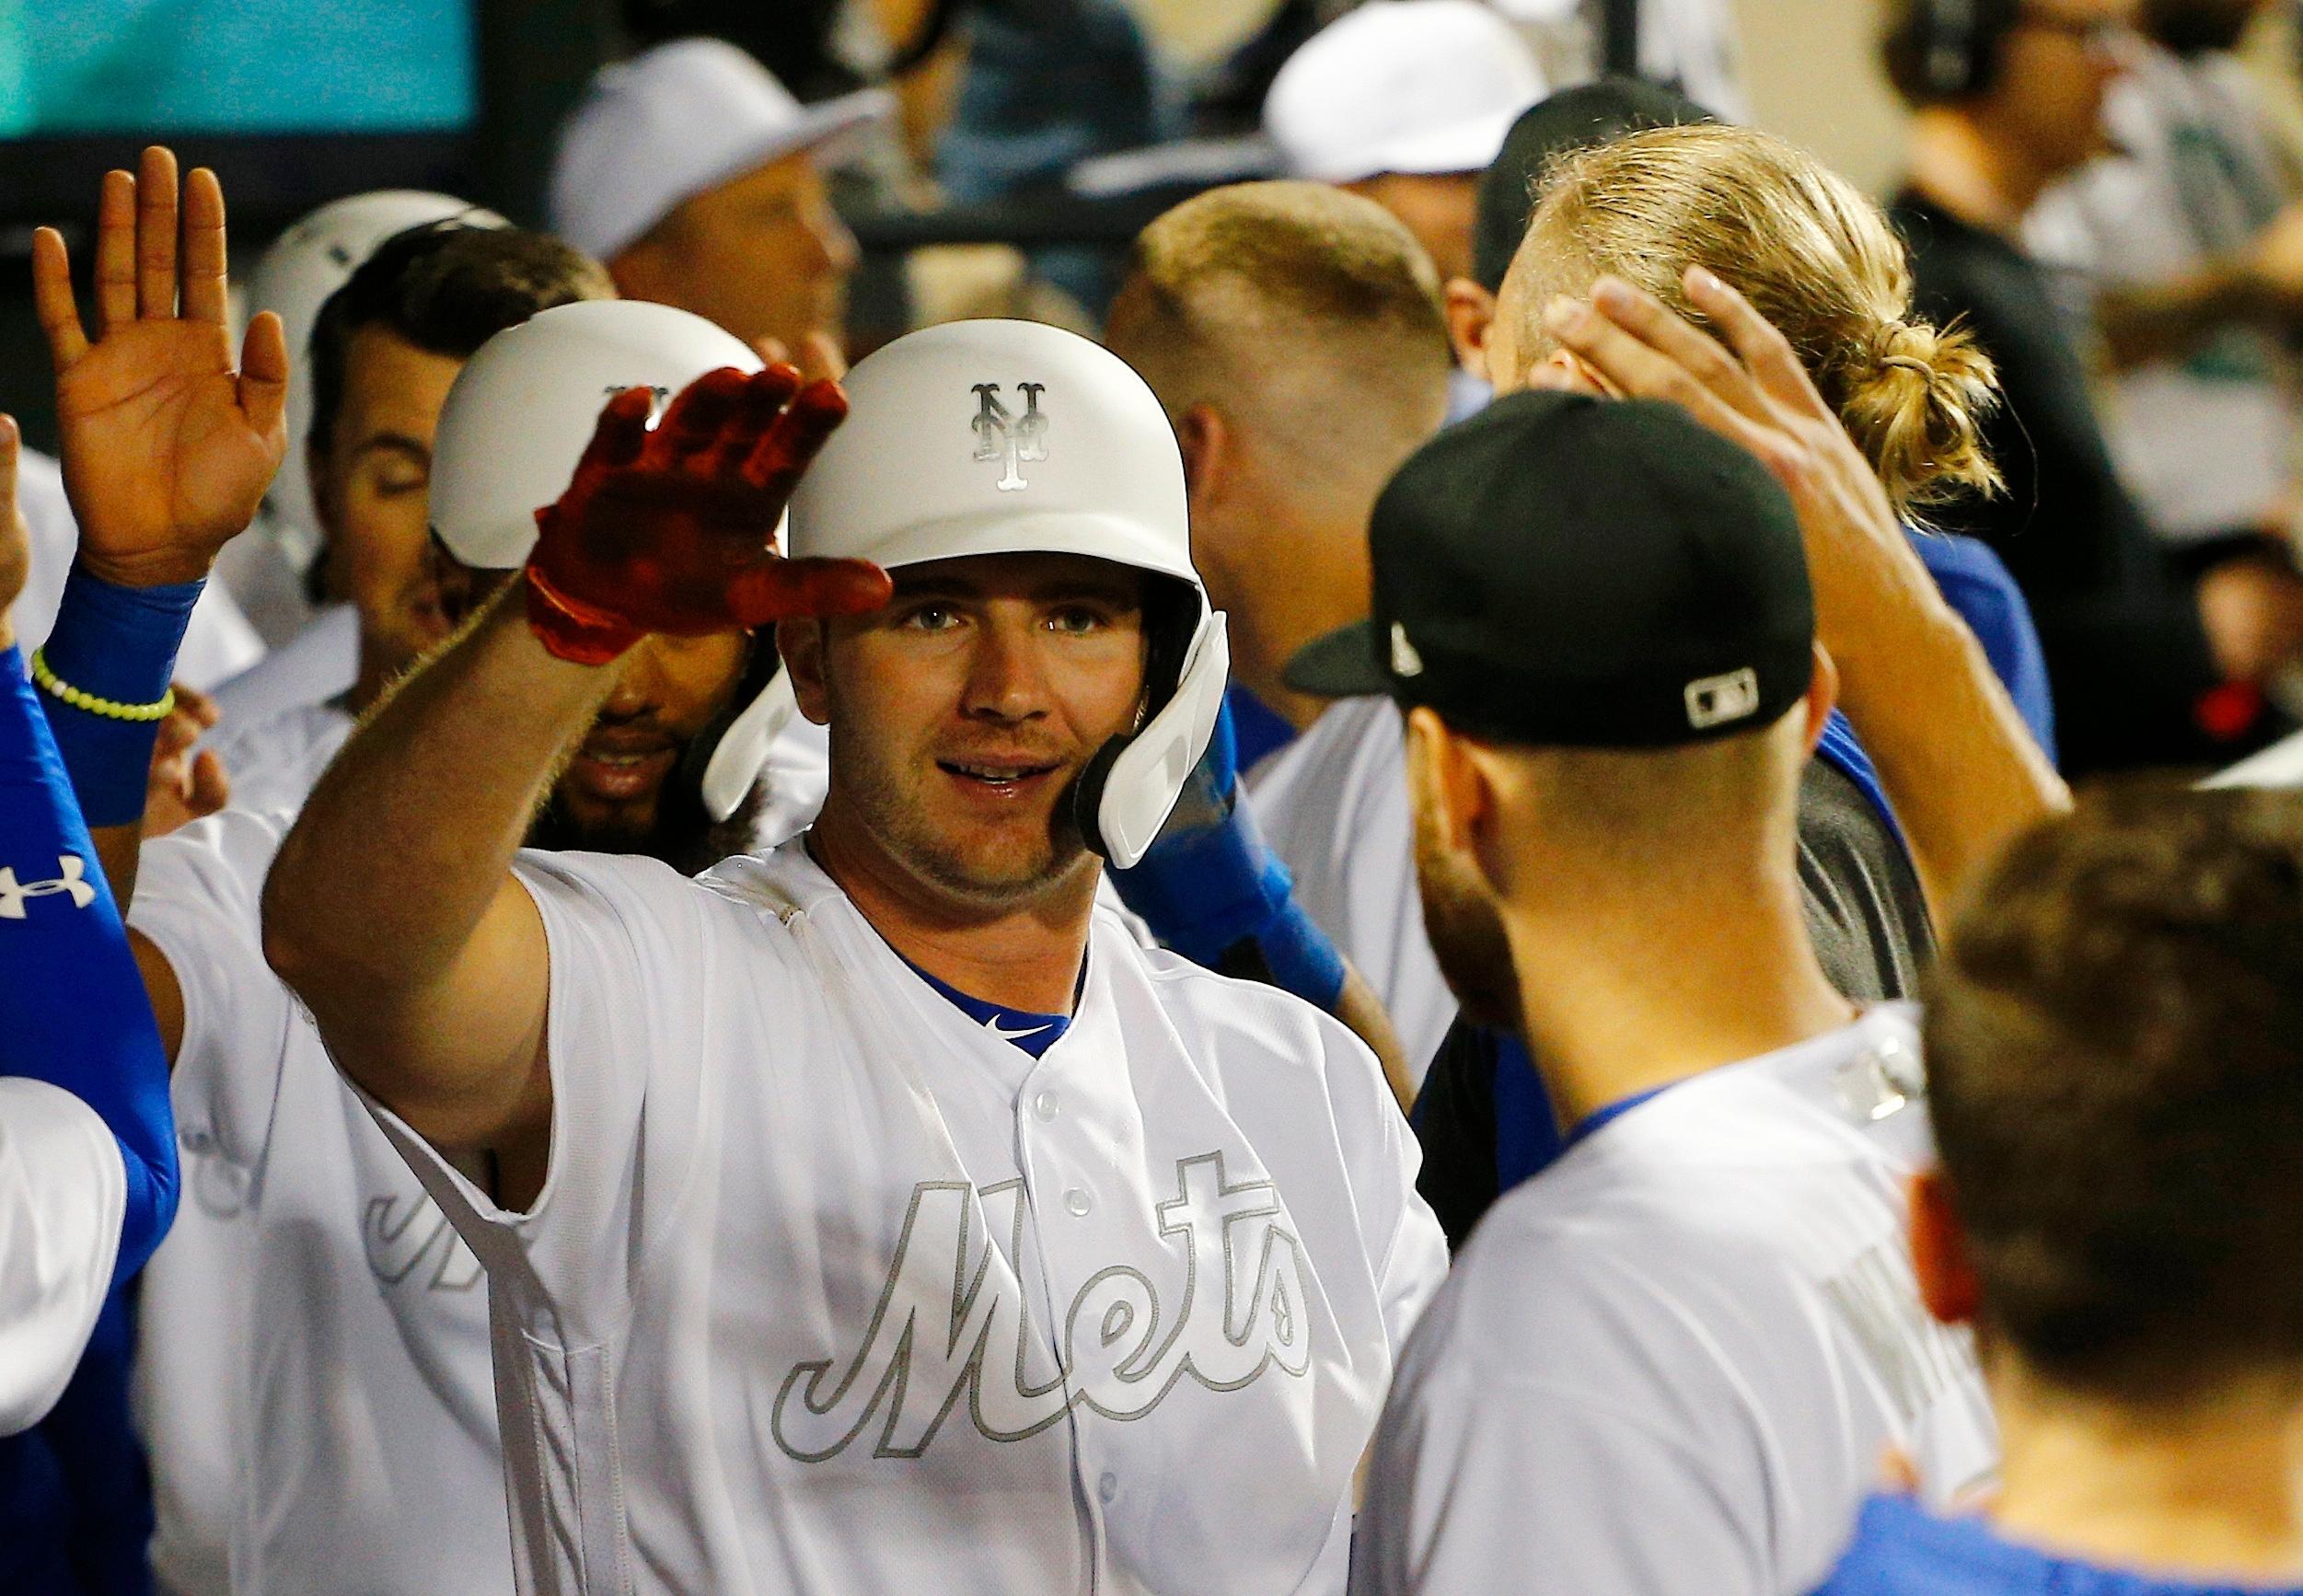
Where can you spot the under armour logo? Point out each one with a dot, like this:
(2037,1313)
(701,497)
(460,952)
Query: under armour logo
(1010,438)
(72,881)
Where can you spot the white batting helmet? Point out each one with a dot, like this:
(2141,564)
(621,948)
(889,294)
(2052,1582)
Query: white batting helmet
(305,264)
(1005,437)
(515,424)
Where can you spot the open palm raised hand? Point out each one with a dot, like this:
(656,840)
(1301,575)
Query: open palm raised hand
(672,528)
(166,449)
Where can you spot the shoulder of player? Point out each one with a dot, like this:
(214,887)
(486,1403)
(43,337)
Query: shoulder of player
(1231,1025)
(1256,1013)
(214,866)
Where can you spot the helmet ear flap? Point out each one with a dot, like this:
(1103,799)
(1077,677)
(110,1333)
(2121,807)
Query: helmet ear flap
(1128,788)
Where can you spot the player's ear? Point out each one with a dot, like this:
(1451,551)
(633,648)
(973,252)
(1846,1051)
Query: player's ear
(1453,790)
(1208,453)
(1471,310)
(1822,692)
(1940,1258)
(800,643)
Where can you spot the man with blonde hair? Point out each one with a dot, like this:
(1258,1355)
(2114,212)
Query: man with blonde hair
(1249,310)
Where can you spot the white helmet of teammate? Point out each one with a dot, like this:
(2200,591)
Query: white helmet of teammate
(515,424)
(1006,437)
(305,265)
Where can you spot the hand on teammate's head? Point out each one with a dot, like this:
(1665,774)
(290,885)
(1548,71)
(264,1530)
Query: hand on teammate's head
(166,448)
(1754,390)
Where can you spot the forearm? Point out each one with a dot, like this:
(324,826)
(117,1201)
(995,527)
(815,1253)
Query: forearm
(2161,321)
(408,836)
(391,911)
(1961,768)
(73,1011)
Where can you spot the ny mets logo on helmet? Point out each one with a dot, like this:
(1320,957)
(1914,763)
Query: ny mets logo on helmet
(72,872)
(952,1336)
(1010,439)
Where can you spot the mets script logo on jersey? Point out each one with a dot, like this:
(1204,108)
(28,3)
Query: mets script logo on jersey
(951,1329)
(71,880)
(1013,439)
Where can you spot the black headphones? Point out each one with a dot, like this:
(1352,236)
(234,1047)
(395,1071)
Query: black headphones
(1955,43)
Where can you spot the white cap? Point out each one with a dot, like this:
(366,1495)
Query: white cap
(1004,437)
(305,265)
(1402,86)
(669,125)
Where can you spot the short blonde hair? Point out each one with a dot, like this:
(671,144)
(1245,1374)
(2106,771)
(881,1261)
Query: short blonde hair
(1812,255)
(1313,309)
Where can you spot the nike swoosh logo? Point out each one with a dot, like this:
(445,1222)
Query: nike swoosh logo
(992,1025)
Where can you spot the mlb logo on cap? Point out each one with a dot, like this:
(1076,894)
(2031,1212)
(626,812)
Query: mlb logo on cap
(1715,701)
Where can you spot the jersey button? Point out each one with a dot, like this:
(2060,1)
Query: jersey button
(1077,1201)
(1045,1105)
(1107,1487)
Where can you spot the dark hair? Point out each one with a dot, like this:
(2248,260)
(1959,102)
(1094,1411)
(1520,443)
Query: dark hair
(446,287)
(2114,1043)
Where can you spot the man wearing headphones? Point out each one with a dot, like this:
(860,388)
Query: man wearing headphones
(874,1214)
(316,1390)
(2007,97)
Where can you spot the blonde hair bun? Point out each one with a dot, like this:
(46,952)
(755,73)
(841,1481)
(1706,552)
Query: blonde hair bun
(1914,399)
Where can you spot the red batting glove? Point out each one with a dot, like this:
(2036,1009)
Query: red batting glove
(669,530)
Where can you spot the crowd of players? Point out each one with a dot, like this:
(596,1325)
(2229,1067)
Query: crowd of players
(1280,951)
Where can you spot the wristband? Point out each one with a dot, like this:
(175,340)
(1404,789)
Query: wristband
(115,648)
(572,630)
(55,686)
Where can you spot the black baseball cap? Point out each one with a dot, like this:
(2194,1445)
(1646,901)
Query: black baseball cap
(1575,119)
(1566,572)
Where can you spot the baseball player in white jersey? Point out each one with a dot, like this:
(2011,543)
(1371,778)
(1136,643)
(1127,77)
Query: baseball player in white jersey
(874,1214)
(273,1469)
(1671,1361)
(315,1386)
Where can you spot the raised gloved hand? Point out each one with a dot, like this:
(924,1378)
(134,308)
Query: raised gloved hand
(1210,887)
(671,530)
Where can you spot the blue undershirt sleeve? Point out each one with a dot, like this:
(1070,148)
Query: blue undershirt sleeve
(72,1009)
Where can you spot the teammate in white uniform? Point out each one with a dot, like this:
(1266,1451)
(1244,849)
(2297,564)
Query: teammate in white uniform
(385,347)
(1248,311)
(875,1215)
(1670,1361)
(315,1392)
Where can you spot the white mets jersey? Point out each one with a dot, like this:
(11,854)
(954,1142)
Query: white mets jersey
(1672,1362)
(1334,806)
(314,1384)
(830,1288)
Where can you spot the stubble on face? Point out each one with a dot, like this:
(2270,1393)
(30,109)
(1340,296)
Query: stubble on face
(1466,933)
(1000,870)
